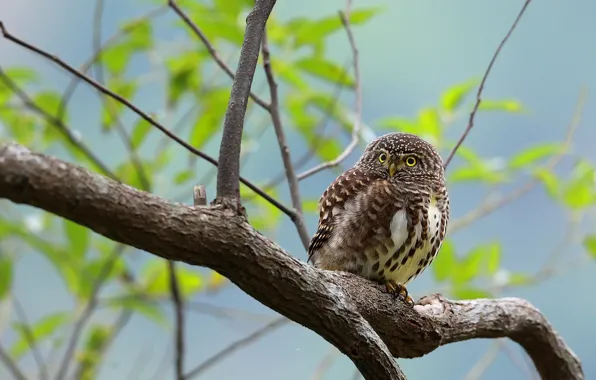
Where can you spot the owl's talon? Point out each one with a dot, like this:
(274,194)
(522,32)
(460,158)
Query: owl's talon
(399,291)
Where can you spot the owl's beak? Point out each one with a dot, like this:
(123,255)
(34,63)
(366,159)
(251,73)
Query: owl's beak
(392,169)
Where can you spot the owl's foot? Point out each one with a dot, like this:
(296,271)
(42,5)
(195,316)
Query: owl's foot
(399,290)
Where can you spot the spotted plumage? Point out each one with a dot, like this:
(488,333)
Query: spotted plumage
(385,218)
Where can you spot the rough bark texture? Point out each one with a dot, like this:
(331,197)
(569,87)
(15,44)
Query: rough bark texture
(344,309)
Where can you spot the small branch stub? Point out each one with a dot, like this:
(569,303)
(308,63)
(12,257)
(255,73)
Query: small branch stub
(199,195)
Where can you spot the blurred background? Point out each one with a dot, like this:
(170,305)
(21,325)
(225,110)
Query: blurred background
(522,200)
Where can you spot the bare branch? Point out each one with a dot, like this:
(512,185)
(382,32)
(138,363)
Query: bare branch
(345,17)
(179,308)
(499,202)
(136,110)
(30,338)
(239,344)
(481,87)
(220,62)
(228,187)
(11,366)
(283,147)
(134,157)
(87,312)
(70,89)
(349,311)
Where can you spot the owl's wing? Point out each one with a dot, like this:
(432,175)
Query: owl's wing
(343,189)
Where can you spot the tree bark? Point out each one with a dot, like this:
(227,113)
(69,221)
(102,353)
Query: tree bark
(350,312)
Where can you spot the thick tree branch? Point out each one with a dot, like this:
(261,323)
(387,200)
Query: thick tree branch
(228,186)
(346,310)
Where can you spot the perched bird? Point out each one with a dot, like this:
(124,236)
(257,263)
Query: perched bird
(385,218)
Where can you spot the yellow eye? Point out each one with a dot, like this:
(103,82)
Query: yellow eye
(382,157)
(411,161)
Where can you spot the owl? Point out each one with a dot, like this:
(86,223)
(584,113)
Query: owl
(386,217)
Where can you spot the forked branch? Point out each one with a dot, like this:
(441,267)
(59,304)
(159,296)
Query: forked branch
(350,312)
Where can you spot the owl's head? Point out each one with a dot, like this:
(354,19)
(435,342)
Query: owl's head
(404,157)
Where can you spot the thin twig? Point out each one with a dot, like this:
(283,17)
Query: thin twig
(236,346)
(30,338)
(228,188)
(142,114)
(11,366)
(319,131)
(87,311)
(53,120)
(345,17)
(283,146)
(66,96)
(484,363)
(179,309)
(481,87)
(209,46)
(132,153)
(325,363)
(497,203)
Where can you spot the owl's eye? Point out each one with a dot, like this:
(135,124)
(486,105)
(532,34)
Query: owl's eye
(411,161)
(382,157)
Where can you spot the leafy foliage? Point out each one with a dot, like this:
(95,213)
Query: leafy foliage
(196,93)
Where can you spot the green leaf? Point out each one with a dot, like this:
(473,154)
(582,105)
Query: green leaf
(90,357)
(209,121)
(534,154)
(288,73)
(313,32)
(579,192)
(151,310)
(116,57)
(506,105)
(310,205)
(477,173)
(21,75)
(156,280)
(215,25)
(469,267)
(113,108)
(445,264)
(78,238)
(549,180)
(184,75)
(261,214)
(518,279)
(48,101)
(470,293)
(64,264)
(183,176)
(41,330)
(139,133)
(140,35)
(326,70)
(590,244)
(493,257)
(399,124)
(454,96)
(5,275)
(96,267)
(429,123)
